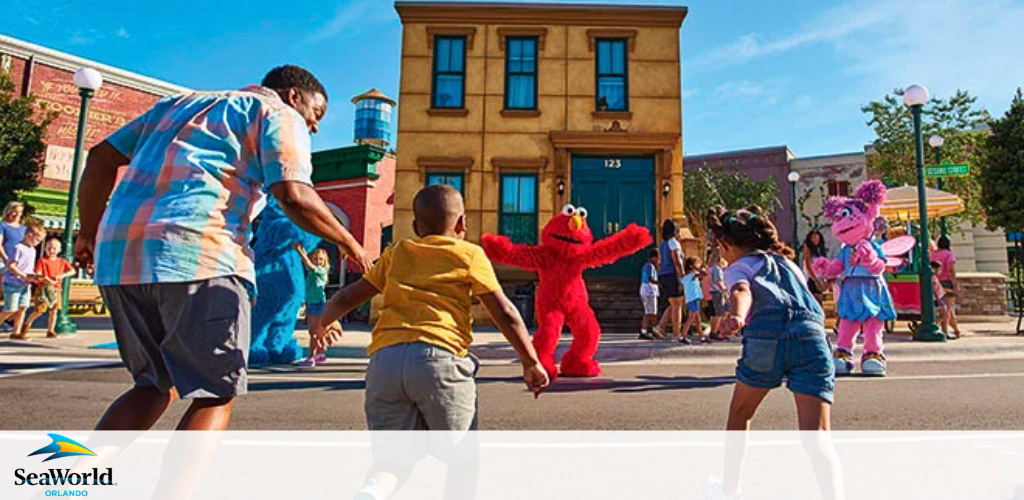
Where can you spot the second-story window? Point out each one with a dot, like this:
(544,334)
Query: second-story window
(449,72)
(612,75)
(521,73)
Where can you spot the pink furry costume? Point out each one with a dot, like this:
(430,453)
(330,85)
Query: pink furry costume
(567,249)
(864,302)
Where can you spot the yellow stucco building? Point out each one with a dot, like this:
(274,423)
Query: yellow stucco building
(527,107)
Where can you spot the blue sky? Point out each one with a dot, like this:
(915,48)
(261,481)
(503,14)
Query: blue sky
(755,73)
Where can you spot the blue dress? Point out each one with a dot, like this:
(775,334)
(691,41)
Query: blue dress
(863,295)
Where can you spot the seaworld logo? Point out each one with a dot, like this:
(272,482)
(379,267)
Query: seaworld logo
(62,447)
(59,448)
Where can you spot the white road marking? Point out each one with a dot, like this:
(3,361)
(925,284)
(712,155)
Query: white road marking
(9,364)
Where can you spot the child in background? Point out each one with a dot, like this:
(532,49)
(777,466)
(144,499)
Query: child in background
(317,266)
(649,297)
(783,339)
(717,300)
(18,278)
(50,273)
(940,303)
(694,294)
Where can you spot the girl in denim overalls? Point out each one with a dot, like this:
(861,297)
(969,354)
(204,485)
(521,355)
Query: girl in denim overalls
(783,338)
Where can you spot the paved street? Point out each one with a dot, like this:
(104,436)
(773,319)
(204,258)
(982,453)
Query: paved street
(54,392)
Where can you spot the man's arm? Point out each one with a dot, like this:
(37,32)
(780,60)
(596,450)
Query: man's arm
(508,320)
(303,206)
(93,192)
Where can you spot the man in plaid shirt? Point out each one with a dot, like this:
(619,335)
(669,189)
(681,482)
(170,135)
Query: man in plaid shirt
(171,246)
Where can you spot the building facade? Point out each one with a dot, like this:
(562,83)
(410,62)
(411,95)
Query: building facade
(527,107)
(761,163)
(47,74)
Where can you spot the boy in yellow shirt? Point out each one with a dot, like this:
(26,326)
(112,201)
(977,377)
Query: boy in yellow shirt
(422,337)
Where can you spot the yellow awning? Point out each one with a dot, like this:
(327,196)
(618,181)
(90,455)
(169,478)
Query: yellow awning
(901,203)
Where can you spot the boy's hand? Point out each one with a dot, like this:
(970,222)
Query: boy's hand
(536,379)
(732,324)
(325,336)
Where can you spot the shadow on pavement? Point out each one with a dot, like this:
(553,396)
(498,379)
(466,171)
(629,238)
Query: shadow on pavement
(643,383)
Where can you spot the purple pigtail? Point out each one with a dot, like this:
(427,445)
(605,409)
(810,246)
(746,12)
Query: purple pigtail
(832,206)
(871,192)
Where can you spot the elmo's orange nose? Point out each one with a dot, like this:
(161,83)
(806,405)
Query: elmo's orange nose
(575,223)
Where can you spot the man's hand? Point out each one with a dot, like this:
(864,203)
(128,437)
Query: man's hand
(536,379)
(84,247)
(733,323)
(324,336)
(363,262)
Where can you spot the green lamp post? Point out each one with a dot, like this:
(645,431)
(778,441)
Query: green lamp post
(793,178)
(915,97)
(88,82)
(936,141)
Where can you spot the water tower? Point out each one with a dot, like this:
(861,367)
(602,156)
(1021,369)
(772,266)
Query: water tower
(373,118)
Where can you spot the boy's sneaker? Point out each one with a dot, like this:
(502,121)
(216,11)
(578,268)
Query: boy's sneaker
(873,364)
(685,341)
(705,340)
(843,361)
(370,492)
(644,335)
(714,489)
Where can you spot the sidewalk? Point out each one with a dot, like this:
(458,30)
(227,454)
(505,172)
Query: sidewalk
(983,337)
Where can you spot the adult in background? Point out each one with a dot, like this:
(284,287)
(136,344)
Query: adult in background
(172,245)
(814,247)
(11,233)
(669,273)
(950,284)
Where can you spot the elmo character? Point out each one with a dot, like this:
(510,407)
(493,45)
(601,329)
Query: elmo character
(567,249)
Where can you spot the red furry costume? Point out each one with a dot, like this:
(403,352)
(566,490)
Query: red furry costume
(567,249)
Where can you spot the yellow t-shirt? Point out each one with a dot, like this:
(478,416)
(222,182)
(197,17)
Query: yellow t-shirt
(427,285)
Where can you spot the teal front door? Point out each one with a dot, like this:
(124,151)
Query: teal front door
(616,191)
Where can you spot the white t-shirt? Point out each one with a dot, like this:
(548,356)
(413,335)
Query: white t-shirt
(746,267)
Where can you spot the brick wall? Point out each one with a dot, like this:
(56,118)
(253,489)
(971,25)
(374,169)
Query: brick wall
(982,294)
(112,107)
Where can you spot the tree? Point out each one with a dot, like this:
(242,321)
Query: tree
(704,188)
(22,147)
(1002,179)
(956,119)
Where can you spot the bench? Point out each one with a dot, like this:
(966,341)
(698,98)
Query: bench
(85,297)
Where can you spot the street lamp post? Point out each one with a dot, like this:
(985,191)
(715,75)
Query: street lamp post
(936,141)
(915,97)
(88,82)
(793,177)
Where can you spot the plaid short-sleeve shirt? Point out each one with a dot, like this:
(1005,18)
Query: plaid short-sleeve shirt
(199,164)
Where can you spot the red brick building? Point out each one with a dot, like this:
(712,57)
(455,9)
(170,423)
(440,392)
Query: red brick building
(47,74)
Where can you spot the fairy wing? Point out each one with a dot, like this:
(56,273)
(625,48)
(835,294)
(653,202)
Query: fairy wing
(898,245)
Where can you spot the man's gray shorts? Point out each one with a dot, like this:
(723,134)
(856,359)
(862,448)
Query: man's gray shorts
(192,336)
(417,386)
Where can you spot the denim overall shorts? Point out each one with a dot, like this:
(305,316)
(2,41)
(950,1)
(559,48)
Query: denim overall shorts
(785,335)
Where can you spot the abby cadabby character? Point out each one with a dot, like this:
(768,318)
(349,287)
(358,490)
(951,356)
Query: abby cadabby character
(864,303)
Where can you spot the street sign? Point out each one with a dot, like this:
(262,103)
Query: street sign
(946,170)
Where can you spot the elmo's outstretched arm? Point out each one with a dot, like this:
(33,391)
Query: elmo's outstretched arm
(617,246)
(501,250)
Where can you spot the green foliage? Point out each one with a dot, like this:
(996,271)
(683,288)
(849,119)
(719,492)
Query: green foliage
(1002,179)
(704,188)
(22,132)
(956,119)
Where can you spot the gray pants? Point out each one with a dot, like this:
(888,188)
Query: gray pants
(417,386)
(192,336)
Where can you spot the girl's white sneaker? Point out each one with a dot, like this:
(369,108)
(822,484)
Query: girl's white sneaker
(714,489)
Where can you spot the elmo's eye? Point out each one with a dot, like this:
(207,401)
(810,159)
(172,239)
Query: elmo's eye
(568,210)
(845,213)
(582,212)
